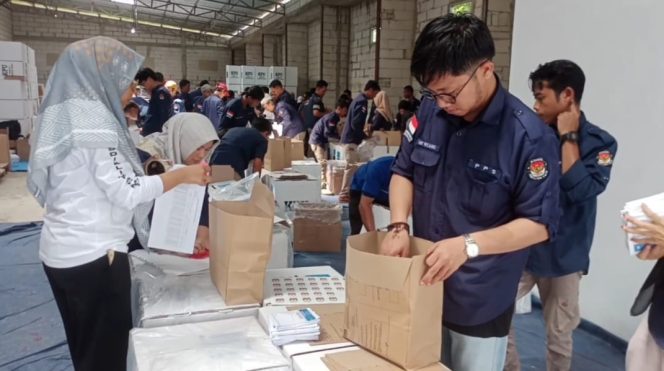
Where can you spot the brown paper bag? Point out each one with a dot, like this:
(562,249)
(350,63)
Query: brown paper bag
(5,158)
(240,245)
(222,173)
(278,156)
(387,310)
(297,150)
(23,149)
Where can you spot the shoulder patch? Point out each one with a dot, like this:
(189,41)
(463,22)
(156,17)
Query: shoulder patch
(538,169)
(605,158)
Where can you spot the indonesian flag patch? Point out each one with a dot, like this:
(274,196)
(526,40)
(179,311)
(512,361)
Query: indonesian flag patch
(413,124)
(538,169)
(230,114)
(604,158)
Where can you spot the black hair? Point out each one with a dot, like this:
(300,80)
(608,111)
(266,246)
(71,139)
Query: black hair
(159,76)
(261,124)
(203,82)
(345,97)
(131,105)
(559,75)
(451,44)
(184,82)
(348,93)
(144,73)
(404,104)
(231,94)
(276,84)
(343,103)
(255,92)
(372,85)
(409,88)
(321,84)
(266,90)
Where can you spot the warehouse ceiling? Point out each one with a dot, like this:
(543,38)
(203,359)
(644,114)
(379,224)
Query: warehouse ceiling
(226,18)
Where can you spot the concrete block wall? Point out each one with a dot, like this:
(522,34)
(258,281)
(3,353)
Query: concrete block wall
(314,51)
(396,45)
(5,24)
(174,55)
(297,54)
(362,52)
(239,56)
(272,50)
(336,34)
(254,54)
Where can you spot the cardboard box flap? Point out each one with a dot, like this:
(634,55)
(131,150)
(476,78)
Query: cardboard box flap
(263,198)
(362,257)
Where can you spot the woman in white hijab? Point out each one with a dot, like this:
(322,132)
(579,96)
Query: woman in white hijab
(85,171)
(186,139)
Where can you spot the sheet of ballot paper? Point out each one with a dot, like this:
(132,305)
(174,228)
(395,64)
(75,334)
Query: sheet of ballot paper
(634,209)
(175,218)
(294,325)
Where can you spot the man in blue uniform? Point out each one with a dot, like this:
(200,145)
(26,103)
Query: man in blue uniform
(314,109)
(323,130)
(160,108)
(371,184)
(213,106)
(480,172)
(587,157)
(409,96)
(240,111)
(185,95)
(353,131)
(286,113)
(240,146)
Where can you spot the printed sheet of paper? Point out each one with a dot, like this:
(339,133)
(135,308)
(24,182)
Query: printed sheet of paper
(175,219)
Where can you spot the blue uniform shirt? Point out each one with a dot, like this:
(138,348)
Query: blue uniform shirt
(579,188)
(235,115)
(325,129)
(213,108)
(472,177)
(238,147)
(357,116)
(287,115)
(373,179)
(315,103)
(160,109)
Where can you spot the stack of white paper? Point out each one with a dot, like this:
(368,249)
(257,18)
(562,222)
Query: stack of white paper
(294,325)
(635,210)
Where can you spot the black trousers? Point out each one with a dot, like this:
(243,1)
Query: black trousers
(94,302)
(354,212)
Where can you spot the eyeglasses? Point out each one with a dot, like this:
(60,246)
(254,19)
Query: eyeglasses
(449,98)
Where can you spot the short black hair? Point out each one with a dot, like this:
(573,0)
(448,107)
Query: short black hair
(255,92)
(404,104)
(159,76)
(131,105)
(143,74)
(348,93)
(266,90)
(321,84)
(203,82)
(451,44)
(559,75)
(344,96)
(261,124)
(276,84)
(231,94)
(409,88)
(343,102)
(184,82)
(372,85)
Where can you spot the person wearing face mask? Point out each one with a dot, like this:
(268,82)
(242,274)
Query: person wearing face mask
(479,171)
(85,172)
(187,139)
(587,159)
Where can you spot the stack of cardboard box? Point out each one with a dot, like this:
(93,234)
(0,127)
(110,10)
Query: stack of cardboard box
(317,227)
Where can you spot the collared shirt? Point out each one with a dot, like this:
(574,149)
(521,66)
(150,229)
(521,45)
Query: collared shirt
(89,207)
(288,117)
(238,147)
(472,177)
(288,98)
(235,115)
(579,188)
(160,109)
(325,129)
(213,108)
(379,122)
(353,132)
(315,103)
(373,179)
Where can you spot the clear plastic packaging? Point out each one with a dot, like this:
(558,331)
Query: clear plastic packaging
(323,212)
(233,190)
(238,344)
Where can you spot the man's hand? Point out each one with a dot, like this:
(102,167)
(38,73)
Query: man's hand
(396,243)
(568,120)
(443,259)
(649,233)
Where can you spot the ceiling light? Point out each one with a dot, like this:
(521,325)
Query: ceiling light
(129,2)
(133,30)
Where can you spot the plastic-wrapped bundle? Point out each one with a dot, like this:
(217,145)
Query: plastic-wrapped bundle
(323,212)
(238,344)
(233,190)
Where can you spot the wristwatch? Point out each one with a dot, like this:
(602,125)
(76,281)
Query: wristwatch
(572,137)
(472,248)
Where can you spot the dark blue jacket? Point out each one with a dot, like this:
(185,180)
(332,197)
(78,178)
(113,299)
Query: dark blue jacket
(286,114)
(315,103)
(373,179)
(160,109)
(579,188)
(235,115)
(353,132)
(325,129)
(470,177)
(238,147)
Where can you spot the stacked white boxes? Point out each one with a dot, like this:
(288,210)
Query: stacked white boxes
(239,78)
(19,97)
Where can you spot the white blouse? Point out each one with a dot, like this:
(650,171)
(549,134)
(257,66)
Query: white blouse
(89,206)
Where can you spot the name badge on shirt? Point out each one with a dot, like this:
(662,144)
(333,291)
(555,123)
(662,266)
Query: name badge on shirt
(427,145)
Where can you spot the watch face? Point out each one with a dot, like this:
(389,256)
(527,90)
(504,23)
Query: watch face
(472,250)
